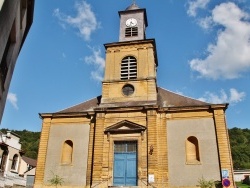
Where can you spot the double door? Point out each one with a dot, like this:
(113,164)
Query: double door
(125,163)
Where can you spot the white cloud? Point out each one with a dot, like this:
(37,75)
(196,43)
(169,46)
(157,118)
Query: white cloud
(193,6)
(233,97)
(98,61)
(236,96)
(12,98)
(229,56)
(85,19)
(206,23)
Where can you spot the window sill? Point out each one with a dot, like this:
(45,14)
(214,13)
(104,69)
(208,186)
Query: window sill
(66,164)
(193,163)
(13,171)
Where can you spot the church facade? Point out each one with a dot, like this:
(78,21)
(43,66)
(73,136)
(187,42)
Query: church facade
(135,134)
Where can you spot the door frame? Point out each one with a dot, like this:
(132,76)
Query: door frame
(136,137)
(135,153)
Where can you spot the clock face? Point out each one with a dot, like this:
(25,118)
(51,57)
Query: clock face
(131,22)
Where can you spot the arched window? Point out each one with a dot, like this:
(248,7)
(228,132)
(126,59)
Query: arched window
(14,162)
(67,152)
(128,68)
(192,150)
(4,160)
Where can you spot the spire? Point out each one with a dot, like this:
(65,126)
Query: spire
(133,6)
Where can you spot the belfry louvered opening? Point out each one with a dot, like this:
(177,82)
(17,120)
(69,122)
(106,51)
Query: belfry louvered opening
(131,32)
(128,68)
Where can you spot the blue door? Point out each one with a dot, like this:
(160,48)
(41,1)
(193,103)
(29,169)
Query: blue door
(125,163)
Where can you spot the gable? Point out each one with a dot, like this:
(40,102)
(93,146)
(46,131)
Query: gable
(124,126)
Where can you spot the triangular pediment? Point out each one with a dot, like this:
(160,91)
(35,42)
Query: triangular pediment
(125,126)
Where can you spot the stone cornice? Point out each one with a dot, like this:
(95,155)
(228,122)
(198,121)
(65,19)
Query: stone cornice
(135,108)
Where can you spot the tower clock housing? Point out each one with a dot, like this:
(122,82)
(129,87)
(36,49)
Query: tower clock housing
(133,23)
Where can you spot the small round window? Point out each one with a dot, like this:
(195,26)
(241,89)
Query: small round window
(128,89)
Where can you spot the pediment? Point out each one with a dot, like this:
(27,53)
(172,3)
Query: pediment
(125,126)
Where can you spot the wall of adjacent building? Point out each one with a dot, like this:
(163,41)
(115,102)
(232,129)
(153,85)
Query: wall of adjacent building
(11,176)
(13,30)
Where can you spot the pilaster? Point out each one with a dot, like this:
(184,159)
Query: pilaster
(224,150)
(152,145)
(162,151)
(98,151)
(43,145)
(90,151)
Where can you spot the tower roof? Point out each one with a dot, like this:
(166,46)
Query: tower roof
(133,7)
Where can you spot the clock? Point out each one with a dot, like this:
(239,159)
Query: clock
(131,22)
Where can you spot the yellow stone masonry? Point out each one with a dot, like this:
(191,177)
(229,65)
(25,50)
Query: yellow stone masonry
(223,144)
(39,178)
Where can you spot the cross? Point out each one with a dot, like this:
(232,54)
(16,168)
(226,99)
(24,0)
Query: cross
(134,1)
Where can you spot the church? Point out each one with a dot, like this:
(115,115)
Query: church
(135,134)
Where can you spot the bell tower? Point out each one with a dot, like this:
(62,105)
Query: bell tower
(133,23)
(130,71)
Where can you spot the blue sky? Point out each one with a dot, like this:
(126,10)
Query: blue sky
(203,49)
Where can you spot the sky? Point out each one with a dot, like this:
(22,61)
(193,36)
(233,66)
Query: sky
(203,49)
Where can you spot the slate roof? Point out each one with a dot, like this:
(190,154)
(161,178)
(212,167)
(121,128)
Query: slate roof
(83,107)
(165,98)
(31,162)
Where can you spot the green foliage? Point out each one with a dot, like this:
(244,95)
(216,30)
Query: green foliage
(29,141)
(55,180)
(202,183)
(240,147)
(242,185)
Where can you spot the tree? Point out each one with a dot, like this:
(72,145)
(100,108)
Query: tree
(29,141)
(240,147)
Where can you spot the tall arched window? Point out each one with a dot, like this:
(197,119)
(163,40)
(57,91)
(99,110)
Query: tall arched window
(128,68)
(67,152)
(14,162)
(4,160)
(192,150)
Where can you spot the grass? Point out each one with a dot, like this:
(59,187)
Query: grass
(241,185)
